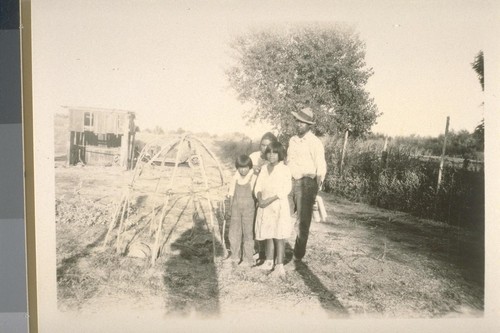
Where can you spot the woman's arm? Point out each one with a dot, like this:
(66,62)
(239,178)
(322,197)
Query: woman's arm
(263,203)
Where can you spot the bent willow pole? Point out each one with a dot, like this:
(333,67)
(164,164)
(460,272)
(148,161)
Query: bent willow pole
(155,167)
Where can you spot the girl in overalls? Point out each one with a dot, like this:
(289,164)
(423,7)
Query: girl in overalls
(242,212)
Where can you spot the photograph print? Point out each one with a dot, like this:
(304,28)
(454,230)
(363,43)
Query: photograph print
(219,163)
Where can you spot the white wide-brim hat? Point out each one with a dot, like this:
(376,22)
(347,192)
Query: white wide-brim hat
(305,115)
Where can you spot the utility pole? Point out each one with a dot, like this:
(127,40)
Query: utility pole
(384,152)
(441,164)
(343,151)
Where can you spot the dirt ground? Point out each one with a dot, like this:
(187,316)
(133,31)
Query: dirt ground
(361,262)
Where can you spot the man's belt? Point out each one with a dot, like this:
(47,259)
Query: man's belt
(297,179)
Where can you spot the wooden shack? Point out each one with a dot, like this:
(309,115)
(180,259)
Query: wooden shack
(101,136)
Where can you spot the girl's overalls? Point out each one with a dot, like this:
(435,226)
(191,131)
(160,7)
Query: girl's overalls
(242,219)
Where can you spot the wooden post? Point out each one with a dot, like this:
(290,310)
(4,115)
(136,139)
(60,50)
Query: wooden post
(125,143)
(384,153)
(112,222)
(71,147)
(83,159)
(154,252)
(441,164)
(165,205)
(223,213)
(132,152)
(122,220)
(344,150)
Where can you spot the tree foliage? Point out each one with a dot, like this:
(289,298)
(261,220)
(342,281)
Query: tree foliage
(461,144)
(286,69)
(158,130)
(478,67)
(479,135)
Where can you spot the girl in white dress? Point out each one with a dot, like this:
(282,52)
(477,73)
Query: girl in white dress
(273,222)
(259,160)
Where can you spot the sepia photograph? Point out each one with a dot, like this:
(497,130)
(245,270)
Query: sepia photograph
(217,165)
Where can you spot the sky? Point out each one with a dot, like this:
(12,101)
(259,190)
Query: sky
(165,60)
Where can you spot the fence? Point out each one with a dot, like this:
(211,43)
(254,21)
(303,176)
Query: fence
(466,164)
(407,181)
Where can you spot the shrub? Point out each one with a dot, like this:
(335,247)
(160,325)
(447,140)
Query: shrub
(231,147)
(404,182)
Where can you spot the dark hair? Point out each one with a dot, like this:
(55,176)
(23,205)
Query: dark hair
(276,147)
(269,136)
(243,161)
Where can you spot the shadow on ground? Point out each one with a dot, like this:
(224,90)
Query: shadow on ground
(460,247)
(327,298)
(68,263)
(74,284)
(190,274)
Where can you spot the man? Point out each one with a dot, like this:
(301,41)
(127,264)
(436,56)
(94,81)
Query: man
(306,160)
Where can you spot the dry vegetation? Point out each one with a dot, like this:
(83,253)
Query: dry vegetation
(362,261)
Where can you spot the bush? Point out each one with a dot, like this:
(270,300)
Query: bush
(230,147)
(404,182)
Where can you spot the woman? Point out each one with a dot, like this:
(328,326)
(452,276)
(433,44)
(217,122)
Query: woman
(259,157)
(273,222)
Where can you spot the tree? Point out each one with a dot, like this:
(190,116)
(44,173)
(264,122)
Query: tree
(478,67)
(287,69)
(158,130)
(461,144)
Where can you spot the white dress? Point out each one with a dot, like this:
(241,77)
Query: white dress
(274,221)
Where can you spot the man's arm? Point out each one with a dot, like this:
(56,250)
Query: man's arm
(319,162)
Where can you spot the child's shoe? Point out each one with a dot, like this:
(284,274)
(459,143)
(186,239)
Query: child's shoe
(279,271)
(266,266)
(245,264)
(259,261)
(230,261)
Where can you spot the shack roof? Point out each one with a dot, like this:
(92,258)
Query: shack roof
(100,121)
